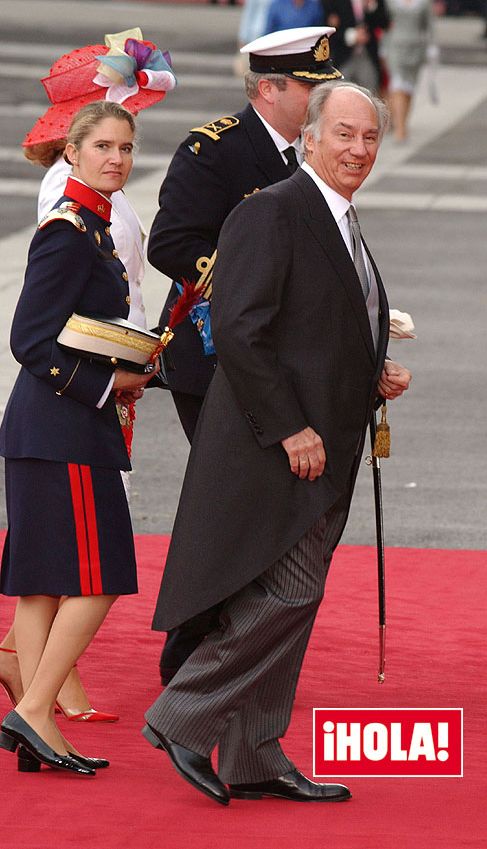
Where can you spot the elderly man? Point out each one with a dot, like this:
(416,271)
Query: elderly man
(301,324)
(213,170)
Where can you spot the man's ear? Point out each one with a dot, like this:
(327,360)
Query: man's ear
(266,90)
(309,143)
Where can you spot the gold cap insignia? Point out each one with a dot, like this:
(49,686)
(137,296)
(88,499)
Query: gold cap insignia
(321,50)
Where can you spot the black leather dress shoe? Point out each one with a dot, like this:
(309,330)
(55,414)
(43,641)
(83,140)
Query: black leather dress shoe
(191,766)
(26,762)
(293,785)
(16,732)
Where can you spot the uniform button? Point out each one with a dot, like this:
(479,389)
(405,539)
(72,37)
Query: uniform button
(125,276)
(115,253)
(97,237)
(107,230)
(127,299)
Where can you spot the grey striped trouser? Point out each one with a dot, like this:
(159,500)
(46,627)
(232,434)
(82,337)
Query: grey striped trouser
(237,688)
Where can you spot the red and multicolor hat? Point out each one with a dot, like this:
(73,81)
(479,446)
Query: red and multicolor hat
(126,69)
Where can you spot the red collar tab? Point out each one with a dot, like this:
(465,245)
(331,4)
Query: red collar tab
(89,198)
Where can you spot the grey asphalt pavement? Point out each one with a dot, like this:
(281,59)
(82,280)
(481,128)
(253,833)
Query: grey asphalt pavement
(423,214)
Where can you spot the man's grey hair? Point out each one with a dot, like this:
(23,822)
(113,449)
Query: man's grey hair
(321,93)
(252,79)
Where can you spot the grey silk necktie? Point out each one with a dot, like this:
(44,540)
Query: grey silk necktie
(292,159)
(358,257)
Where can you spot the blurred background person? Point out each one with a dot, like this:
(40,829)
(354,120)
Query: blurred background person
(252,25)
(70,85)
(355,48)
(286,14)
(404,48)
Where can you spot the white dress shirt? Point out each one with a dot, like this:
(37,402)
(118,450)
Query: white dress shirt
(339,207)
(280,142)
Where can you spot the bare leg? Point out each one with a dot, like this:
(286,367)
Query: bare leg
(400,105)
(9,666)
(8,641)
(72,695)
(49,642)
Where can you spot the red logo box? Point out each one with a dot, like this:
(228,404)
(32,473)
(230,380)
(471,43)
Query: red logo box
(388,742)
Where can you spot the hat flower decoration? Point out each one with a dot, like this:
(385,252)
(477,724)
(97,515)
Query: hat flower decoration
(132,63)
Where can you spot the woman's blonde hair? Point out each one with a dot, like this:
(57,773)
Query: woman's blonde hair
(92,114)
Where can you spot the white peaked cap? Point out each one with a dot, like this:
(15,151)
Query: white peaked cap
(287,41)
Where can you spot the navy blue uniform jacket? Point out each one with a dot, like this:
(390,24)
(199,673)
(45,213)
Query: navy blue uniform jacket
(199,192)
(67,271)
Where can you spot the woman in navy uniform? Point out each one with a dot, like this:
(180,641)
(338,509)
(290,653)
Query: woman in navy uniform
(69,531)
(74,78)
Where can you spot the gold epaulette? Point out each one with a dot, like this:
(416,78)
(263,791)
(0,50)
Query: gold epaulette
(204,283)
(215,128)
(65,212)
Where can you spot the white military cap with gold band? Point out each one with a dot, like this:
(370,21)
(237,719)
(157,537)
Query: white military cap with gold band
(302,53)
(114,341)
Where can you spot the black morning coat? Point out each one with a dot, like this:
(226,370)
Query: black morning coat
(295,348)
(68,271)
(200,190)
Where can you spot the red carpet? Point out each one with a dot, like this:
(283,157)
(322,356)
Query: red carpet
(435,658)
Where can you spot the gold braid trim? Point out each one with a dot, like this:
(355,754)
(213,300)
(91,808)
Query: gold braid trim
(204,283)
(308,75)
(61,391)
(120,336)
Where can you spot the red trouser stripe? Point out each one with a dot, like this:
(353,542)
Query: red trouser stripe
(80,526)
(92,529)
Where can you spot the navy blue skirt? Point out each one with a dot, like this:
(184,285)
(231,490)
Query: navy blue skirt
(69,531)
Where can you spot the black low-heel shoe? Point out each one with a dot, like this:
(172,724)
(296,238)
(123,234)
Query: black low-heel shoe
(91,763)
(16,732)
(28,763)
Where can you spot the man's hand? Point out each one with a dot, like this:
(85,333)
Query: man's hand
(129,386)
(127,397)
(306,454)
(394,380)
